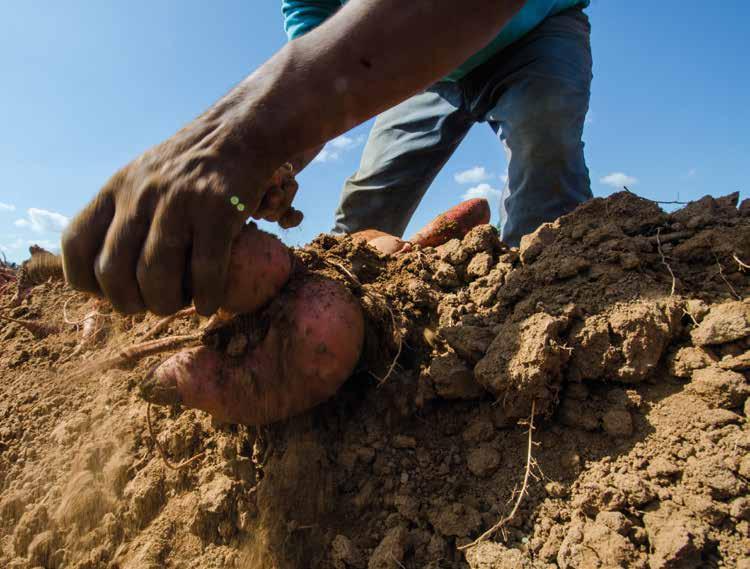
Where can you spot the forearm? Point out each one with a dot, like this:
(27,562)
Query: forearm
(368,57)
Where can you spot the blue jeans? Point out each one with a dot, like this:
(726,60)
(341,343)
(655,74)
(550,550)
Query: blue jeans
(534,95)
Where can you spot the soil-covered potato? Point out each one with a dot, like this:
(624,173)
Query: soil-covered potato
(314,336)
(259,267)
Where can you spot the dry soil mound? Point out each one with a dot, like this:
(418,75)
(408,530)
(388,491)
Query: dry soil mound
(622,326)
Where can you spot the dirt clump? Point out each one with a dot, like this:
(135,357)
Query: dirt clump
(626,329)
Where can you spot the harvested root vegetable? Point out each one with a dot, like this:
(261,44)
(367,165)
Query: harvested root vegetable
(454,223)
(383,242)
(259,267)
(388,244)
(37,329)
(93,327)
(313,340)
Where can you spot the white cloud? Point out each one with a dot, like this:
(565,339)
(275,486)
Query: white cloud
(14,245)
(7,207)
(326,155)
(472,175)
(41,220)
(618,180)
(336,147)
(483,191)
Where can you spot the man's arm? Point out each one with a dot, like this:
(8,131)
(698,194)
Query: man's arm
(369,56)
(160,232)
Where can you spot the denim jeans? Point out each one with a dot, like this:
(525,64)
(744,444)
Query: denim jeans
(534,95)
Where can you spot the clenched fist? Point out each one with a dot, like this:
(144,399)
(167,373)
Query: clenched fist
(158,234)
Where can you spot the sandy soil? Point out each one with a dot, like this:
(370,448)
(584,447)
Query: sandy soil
(623,327)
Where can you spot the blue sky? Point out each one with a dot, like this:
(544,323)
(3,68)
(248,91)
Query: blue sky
(88,85)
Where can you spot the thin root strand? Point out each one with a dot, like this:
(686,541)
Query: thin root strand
(530,464)
(160,450)
(137,352)
(162,324)
(740,263)
(665,263)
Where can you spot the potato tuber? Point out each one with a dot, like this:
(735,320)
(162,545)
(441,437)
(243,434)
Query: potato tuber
(259,267)
(312,344)
(454,223)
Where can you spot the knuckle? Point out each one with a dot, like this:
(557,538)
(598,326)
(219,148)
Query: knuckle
(106,271)
(160,293)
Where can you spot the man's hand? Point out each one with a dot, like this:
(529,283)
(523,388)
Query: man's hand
(159,233)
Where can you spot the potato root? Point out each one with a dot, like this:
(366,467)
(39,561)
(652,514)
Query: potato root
(313,342)
(37,329)
(454,223)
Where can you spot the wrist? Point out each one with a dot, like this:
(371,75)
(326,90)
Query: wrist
(256,118)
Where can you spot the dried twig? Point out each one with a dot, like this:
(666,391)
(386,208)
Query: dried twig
(37,329)
(166,321)
(530,463)
(721,274)
(654,201)
(664,262)
(740,263)
(401,565)
(160,450)
(396,333)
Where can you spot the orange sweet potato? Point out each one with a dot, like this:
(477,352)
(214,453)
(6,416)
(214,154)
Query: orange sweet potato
(454,223)
(313,342)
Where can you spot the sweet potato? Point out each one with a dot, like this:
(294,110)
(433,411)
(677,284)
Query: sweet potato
(312,344)
(454,223)
(259,267)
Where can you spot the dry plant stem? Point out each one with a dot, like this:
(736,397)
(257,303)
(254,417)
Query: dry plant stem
(396,332)
(724,278)
(37,330)
(160,450)
(397,561)
(664,262)
(740,263)
(166,321)
(524,489)
(375,298)
(654,201)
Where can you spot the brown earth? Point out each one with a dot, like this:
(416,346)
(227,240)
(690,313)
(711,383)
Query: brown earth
(640,383)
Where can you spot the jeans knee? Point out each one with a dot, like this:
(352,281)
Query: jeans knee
(545,141)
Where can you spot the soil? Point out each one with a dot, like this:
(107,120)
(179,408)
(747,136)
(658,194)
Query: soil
(624,327)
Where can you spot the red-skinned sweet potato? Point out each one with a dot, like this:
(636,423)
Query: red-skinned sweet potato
(312,345)
(259,267)
(454,223)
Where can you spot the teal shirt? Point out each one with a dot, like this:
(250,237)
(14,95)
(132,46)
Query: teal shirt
(301,16)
